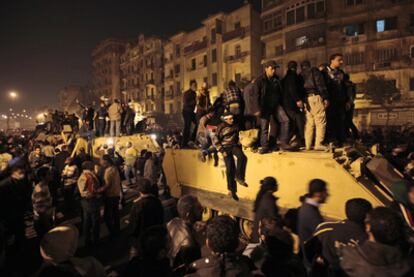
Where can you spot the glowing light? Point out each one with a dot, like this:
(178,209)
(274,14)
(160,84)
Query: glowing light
(153,136)
(110,141)
(13,94)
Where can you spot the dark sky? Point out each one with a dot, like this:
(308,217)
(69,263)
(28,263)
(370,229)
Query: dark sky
(46,44)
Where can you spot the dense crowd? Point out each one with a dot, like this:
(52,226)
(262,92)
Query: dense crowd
(44,182)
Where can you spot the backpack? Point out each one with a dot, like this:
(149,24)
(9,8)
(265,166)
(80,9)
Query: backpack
(92,183)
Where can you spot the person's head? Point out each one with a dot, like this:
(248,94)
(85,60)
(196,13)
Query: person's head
(106,161)
(305,65)
(231,84)
(144,186)
(189,208)
(222,234)
(44,174)
(385,226)
(38,150)
(336,60)
(193,85)
(270,68)
(148,155)
(154,243)
(357,209)
(18,172)
(116,101)
(88,165)
(228,118)
(292,65)
(204,86)
(318,190)
(59,244)
(268,184)
(143,151)
(102,104)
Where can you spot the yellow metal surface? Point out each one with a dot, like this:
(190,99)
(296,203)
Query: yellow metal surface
(292,170)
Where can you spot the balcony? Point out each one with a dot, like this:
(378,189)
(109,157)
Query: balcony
(236,58)
(169,94)
(196,46)
(237,33)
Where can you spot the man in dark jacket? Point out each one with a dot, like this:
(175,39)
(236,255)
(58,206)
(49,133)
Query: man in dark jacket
(316,103)
(226,141)
(351,230)
(129,119)
(269,91)
(337,88)
(189,104)
(184,246)
(309,216)
(222,239)
(293,101)
(251,106)
(381,254)
(102,115)
(146,211)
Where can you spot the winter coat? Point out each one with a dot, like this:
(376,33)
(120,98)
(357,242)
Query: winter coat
(336,85)
(189,101)
(269,92)
(314,82)
(376,259)
(226,136)
(250,97)
(114,112)
(232,95)
(203,102)
(293,90)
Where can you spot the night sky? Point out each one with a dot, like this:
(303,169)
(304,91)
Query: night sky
(46,44)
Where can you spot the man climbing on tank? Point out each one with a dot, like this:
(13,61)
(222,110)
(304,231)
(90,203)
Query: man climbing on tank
(227,143)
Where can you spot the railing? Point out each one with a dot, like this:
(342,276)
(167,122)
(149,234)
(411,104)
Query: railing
(237,33)
(195,46)
(234,58)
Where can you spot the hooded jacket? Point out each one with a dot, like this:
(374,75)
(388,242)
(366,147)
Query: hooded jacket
(376,259)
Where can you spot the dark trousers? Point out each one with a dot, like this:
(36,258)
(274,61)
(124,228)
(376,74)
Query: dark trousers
(101,127)
(91,216)
(189,117)
(42,224)
(69,199)
(351,129)
(336,123)
(297,119)
(281,117)
(111,215)
(233,171)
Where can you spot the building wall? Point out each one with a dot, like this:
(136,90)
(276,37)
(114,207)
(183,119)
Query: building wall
(106,68)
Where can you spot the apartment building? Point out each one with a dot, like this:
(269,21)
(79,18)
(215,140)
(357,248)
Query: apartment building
(375,36)
(226,47)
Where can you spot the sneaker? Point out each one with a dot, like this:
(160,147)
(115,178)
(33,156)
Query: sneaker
(216,159)
(233,195)
(287,147)
(264,150)
(321,148)
(241,182)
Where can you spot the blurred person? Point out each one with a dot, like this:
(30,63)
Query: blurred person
(128,121)
(293,101)
(251,106)
(130,159)
(233,102)
(189,105)
(48,150)
(69,177)
(146,211)
(140,162)
(91,201)
(309,216)
(350,128)
(348,231)
(265,204)
(222,239)
(112,190)
(184,246)
(269,90)
(381,254)
(36,157)
(403,204)
(316,103)
(227,143)
(42,202)
(151,170)
(153,260)
(101,116)
(58,248)
(203,101)
(114,114)
(60,158)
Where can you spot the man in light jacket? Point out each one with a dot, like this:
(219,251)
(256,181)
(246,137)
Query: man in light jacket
(114,113)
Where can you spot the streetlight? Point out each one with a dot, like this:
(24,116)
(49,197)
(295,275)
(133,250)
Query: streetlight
(13,95)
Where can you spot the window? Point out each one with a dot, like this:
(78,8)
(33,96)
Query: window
(386,54)
(301,41)
(205,80)
(272,22)
(213,35)
(177,69)
(353,2)
(279,50)
(237,78)
(411,84)
(311,10)
(193,64)
(386,24)
(214,55)
(237,25)
(177,50)
(290,17)
(178,87)
(300,14)
(171,108)
(237,50)
(354,30)
(354,58)
(412,20)
(205,60)
(320,6)
(214,79)
(412,51)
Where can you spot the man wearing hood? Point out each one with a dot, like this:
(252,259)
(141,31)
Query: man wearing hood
(381,254)
(58,248)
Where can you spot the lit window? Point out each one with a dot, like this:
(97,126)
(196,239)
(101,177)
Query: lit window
(386,24)
(300,41)
(411,84)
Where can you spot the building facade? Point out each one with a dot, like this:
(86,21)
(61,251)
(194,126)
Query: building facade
(106,76)
(142,73)
(226,47)
(68,96)
(376,37)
